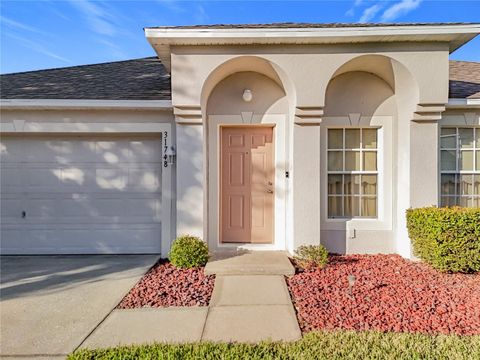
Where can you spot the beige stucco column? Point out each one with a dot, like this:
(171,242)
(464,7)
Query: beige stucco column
(306,175)
(190,171)
(424,160)
(417,167)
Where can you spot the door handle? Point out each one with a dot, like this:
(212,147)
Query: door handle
(270,191)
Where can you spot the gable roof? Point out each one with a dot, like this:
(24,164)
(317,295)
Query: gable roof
(138,79)
(147,79)
(464,80)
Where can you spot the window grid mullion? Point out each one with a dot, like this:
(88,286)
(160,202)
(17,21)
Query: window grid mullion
(344,145)
(360,173)
(459,172)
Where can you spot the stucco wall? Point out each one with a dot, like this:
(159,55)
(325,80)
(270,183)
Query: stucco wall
(399,84)
(309,68)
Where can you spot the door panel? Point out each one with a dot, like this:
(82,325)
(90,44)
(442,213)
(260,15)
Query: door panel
(247,185)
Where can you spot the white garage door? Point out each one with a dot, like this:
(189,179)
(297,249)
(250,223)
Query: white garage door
(87,195)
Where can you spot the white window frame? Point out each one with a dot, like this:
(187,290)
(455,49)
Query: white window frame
(385,187)
(361,150)
(457,172)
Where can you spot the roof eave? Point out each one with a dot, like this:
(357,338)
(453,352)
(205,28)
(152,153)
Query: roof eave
(79,104)
(162,38)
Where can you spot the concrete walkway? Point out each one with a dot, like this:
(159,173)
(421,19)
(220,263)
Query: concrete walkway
(251,308)
(50,304)
(243,308)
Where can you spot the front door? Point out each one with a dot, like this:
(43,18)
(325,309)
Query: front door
(247,184)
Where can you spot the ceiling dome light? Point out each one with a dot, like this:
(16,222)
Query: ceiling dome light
(247,95)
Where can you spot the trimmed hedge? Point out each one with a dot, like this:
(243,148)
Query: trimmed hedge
(446,238)
(188,252)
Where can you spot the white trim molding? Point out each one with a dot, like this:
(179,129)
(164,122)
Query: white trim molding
(72,104)
(162,38)
(428,112)
(463,103)
(189,114)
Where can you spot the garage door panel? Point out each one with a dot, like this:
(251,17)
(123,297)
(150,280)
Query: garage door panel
(82,241)
(139,150)
(113,152)
(145,180)
(10,208)
(111,179)
(9,175)
(81,195)
(11,151)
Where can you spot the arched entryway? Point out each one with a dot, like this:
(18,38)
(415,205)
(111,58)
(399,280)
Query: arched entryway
(246,111)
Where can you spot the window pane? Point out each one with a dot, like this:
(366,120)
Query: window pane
(466,184)
(448,138)
(335,161)
(466,160)
(335,184)
(465,137)
(352,139)
(369,138)
(369,206)
(477,137)
(351,206)
(335,206)
(471,202)
(448,184)
(369,184)
(448,160)
(477,160)
(335,138)
(476,185)
(464,201)
(370,161)
(476,202)
(448,201)
(352,184)
(352,160)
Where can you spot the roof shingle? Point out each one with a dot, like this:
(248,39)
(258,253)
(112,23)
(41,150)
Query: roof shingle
(147,79)
(464,80)
(294,25)
(138,79)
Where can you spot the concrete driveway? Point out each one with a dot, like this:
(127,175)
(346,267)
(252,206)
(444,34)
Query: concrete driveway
(50,304)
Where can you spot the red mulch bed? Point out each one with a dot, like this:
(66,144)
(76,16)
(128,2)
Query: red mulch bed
(390,294)
(165,285)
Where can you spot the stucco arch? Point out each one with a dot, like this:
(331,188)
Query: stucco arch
(222,105)
(391,71)
(246,64)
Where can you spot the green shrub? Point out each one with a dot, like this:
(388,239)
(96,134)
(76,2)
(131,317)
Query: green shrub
(311,255)
(188,252)
(446,238)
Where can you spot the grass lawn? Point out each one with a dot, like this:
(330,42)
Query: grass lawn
(314,345)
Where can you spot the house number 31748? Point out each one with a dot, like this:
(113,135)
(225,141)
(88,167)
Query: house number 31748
(165,148)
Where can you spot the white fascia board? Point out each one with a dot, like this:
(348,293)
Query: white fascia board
(74,104)
(447,33)
(463,103)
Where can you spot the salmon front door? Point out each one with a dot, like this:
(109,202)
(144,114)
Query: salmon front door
(247,185)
